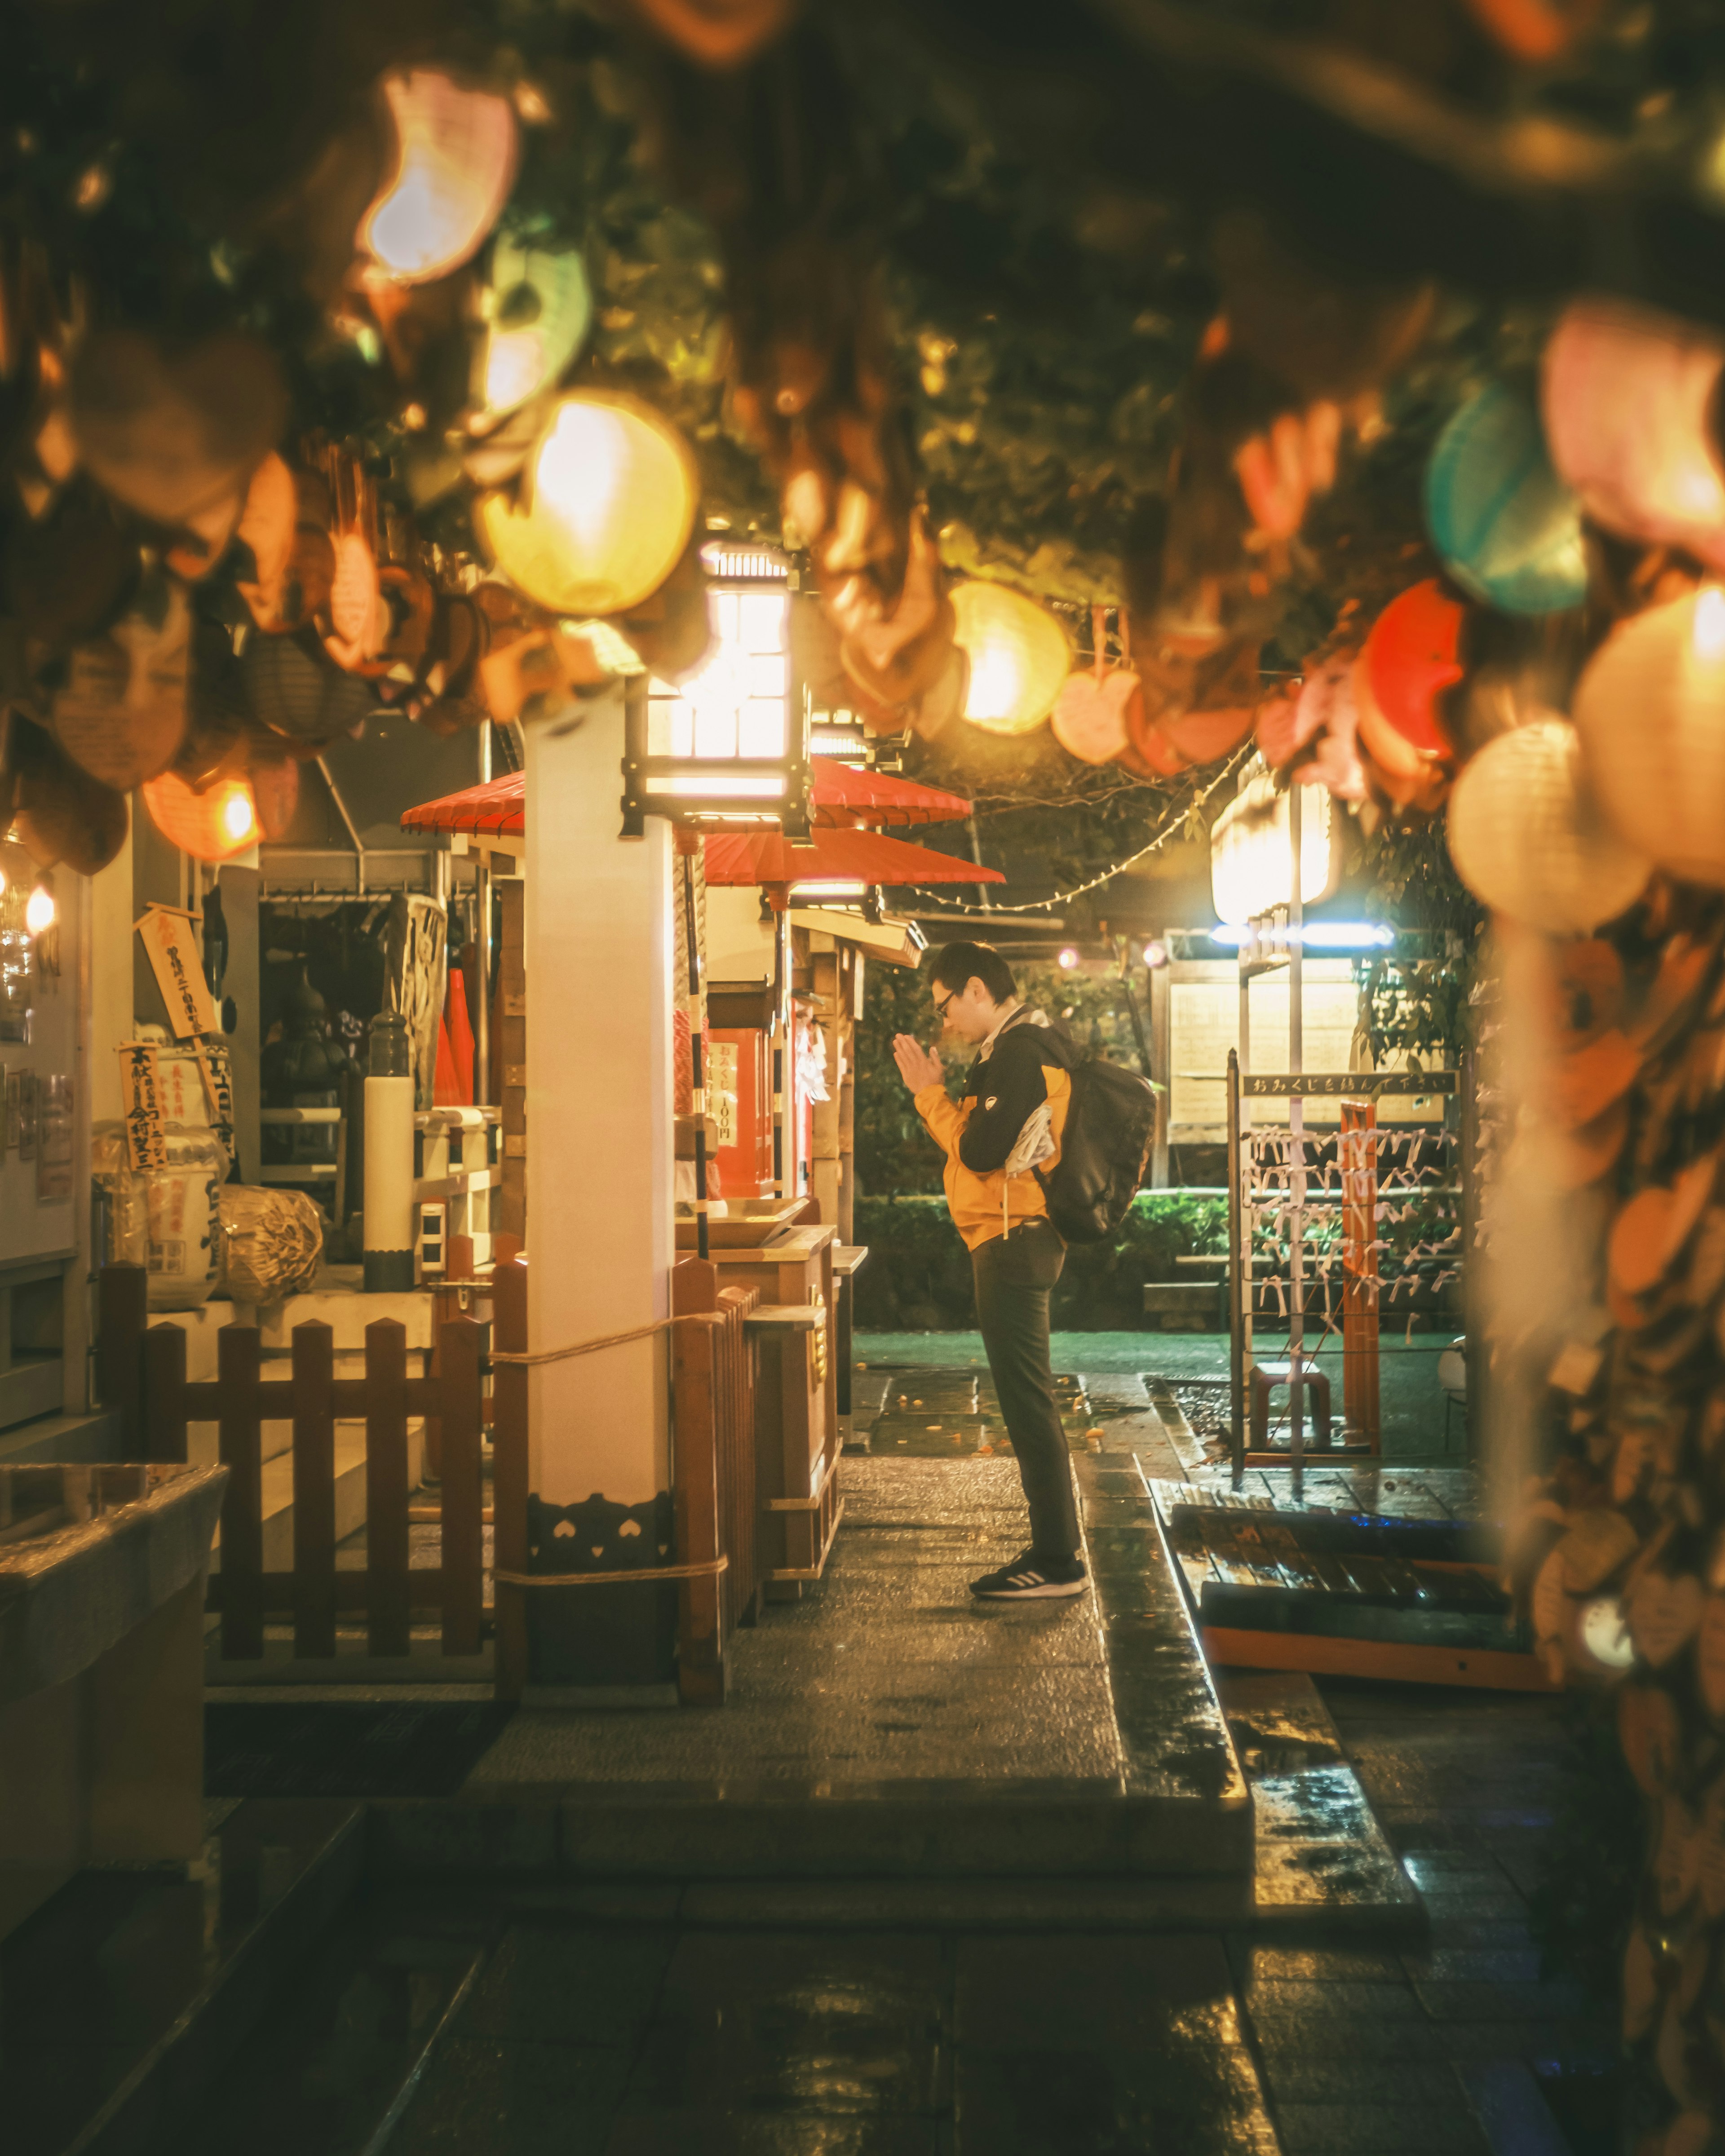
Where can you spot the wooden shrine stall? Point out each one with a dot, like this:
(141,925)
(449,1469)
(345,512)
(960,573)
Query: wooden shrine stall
(773,937)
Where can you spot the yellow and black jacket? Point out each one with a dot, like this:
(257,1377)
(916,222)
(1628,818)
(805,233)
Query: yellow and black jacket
(1024,1065)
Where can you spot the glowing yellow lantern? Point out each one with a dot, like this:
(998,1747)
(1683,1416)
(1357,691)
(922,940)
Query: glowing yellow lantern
(1527,837)
(1651,712)
(455,158)
(1020,657)
(607,507)
(211,826)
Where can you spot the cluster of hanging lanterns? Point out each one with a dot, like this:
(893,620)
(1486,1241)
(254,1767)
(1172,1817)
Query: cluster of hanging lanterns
(276,601)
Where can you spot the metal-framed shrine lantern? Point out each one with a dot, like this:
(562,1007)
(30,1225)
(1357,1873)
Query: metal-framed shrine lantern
(725,748)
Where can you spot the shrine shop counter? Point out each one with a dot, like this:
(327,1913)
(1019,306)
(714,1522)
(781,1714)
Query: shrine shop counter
(796,1405)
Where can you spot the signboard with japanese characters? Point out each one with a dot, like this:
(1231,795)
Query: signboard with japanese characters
(174,960)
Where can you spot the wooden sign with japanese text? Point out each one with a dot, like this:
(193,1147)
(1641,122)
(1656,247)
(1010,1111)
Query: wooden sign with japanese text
(173,950)
(141,1106)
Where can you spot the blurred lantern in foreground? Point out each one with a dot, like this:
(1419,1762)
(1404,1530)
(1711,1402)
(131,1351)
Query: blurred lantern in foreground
(456,155)
(40,912)
(1410,658)
(1651,712)
(1628,398)
(211,826)
(1529,839)
(1020,657)
(608,505)
(1507,527)
(537,309)
(1252,855)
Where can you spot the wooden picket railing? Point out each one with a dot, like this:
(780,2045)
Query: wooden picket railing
(715,1499)
(143,1379)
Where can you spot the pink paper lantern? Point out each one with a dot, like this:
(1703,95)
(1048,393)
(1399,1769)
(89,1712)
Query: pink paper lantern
(1627,398)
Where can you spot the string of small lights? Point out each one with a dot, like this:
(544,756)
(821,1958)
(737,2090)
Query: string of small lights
(1177,818)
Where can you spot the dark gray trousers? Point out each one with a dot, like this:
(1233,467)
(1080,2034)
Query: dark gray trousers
(1013,1275)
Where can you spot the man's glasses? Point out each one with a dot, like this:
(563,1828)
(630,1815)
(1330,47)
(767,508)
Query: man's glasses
(940,1005)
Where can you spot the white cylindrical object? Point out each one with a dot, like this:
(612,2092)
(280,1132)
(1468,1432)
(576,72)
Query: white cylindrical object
(389,1184)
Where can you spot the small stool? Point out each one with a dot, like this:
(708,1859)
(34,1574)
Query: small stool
(1265,1377)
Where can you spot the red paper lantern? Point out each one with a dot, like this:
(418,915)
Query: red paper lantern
(1412,655)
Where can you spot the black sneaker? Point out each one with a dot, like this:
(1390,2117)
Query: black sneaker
(1032,1578)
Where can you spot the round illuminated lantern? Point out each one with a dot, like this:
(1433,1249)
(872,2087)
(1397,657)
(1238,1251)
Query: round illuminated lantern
(455,159)
(1528,839)
(1651,712)
(607,507)
(1020,657)
(1628,398)
(1412,655)
(211,826)
(1507,527)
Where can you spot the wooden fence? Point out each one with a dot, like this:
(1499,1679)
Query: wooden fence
(143,1379)
(716,1498)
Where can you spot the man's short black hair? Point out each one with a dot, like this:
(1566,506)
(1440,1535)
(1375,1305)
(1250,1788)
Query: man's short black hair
(957,963)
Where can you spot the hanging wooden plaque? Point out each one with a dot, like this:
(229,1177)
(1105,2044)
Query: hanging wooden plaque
(173,957)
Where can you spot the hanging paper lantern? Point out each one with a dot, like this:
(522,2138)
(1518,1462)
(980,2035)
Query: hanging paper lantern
(211,826)
(1529,839)
(537,309)
(1628,399)
(1507,527)
(1651,712)
(1092,715)
(293,690)
(608,505)
(1020,657)
(1410,657)
(455,157)
(172,433)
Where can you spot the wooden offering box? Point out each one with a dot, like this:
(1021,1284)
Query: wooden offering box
(738,1223)
(797,1405)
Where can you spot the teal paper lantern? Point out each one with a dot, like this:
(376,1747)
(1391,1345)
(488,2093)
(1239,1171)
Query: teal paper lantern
(1507,527)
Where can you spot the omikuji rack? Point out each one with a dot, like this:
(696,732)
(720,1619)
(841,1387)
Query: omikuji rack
(1267,1177)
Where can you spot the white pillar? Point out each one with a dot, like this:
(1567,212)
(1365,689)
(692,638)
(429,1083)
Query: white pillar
(598,948)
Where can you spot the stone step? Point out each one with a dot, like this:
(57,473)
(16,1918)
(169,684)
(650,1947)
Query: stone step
(127,1994)
(888,1725)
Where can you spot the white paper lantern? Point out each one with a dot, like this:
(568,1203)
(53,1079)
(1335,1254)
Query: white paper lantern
(1651,712)
(455,159)
(1528,839)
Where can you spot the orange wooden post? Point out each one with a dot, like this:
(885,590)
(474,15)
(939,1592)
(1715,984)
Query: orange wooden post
(313,1490)
(461,1496)
(508,1474)
(240,1438)
(387,1485)
(1357,1147)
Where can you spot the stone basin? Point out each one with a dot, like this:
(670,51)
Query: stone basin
(101,1692)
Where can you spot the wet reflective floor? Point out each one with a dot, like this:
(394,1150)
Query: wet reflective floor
(649,2040)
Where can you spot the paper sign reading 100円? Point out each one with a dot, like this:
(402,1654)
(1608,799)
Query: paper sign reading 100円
(179,972)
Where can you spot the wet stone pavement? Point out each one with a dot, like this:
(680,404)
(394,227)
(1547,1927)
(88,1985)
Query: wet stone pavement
(627,2019)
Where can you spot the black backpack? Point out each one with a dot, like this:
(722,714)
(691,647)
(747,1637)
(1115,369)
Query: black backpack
(1111,1124)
